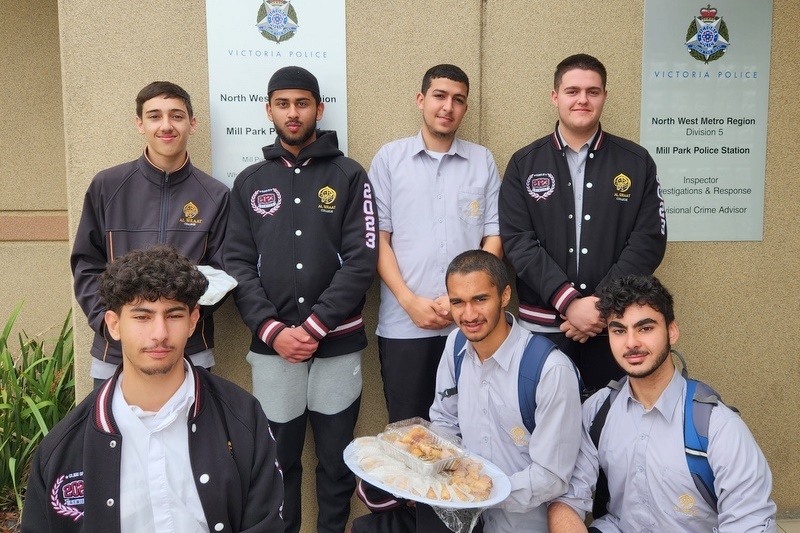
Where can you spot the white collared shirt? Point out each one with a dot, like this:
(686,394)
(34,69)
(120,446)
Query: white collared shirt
(157,489)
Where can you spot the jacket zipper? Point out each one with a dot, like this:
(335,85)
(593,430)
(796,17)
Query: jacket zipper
(162,226)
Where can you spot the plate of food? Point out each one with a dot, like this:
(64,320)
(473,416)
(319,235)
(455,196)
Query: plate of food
(467,482)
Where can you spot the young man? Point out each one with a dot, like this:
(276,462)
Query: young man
(158,198)
(641,448)
(163,445)
(436,197)
(579,208)
(302,244)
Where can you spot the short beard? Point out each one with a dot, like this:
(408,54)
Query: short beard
(304,136)
(662,357)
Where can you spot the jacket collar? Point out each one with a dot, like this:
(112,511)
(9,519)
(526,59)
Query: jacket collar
(596,143)
(156,175)
(104,417)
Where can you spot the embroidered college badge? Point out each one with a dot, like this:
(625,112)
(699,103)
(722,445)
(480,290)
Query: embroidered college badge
(277,20)
(266,202)
(707,38)
(540,186)
(67,494)
(686,505)
(622,183)
(190,212)
(327,196)
(518,435)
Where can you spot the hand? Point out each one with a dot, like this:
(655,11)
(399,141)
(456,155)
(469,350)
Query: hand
(294,345)
(573,333)
(443,306)
(584,316)
(426,313)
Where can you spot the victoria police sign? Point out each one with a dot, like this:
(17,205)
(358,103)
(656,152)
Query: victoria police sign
(248,40)
(705,85)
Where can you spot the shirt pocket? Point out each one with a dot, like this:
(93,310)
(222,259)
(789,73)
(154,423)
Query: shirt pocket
(512,432)
(680,499)
(472,205)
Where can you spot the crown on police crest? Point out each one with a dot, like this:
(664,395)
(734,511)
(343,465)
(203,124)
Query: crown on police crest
(708,13)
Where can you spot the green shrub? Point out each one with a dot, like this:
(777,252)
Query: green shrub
(37,389)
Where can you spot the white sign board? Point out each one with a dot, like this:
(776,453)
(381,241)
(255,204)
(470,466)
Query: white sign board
(705,89)
(248,40)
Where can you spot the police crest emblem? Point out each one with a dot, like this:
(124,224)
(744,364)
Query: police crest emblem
(707,38)
(277,20)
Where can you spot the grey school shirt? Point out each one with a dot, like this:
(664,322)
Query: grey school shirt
(642,454)
(487,414)
(434,209)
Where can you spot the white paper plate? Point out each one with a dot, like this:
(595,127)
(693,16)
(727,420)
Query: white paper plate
(501,485)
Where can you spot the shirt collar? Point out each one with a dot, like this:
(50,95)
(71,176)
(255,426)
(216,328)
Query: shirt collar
(456,147)
(669,401)
(595,142)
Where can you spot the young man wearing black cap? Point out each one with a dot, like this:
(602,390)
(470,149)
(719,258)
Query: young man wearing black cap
(303,248)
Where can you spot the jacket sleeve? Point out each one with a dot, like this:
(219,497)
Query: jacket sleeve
(263,504)
(521,244)
(359,253)
(242,261)
(34,510)
(647,242)
(90,256)
(216,241)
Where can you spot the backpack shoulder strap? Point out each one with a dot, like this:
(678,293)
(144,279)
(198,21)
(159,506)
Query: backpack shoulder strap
(601,493)
(459,347)
(700,400)
(530,371)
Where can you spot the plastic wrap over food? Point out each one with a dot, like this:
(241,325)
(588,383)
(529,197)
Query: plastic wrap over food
(419,447)
(463,481)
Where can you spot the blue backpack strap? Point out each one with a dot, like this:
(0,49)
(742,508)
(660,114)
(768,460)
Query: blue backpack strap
(459,347)
(700,400)
(530,370)
(601,493)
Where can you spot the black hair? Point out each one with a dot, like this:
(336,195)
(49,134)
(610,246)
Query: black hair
(150,274)
(447,71)
(582,62)
(165,89)
(480,261)
(635,289)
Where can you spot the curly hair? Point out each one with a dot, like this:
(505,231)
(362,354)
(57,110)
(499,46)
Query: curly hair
(150,274)
(480,261)
(635,289)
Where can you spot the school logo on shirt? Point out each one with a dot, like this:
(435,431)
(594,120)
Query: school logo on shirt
(277,20)
(686,505)
(67,495)
(327,196)
(540,186)
(518,436)
(190,212)
(622,184)
(266,201)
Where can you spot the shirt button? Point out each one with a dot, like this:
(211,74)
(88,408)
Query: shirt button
(485,411)
(584,251)
(299,266)
(441,220)
(297,171)
(110,502)
(587,217)
(583,285)
(589,185)
(297,200)
(640,469)
(218,526)
(298,233)
(204,479)
(112,444)
(485,439)
(484,383)
(301,299)
(439,196)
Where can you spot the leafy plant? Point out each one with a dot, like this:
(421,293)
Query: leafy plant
(37,389)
